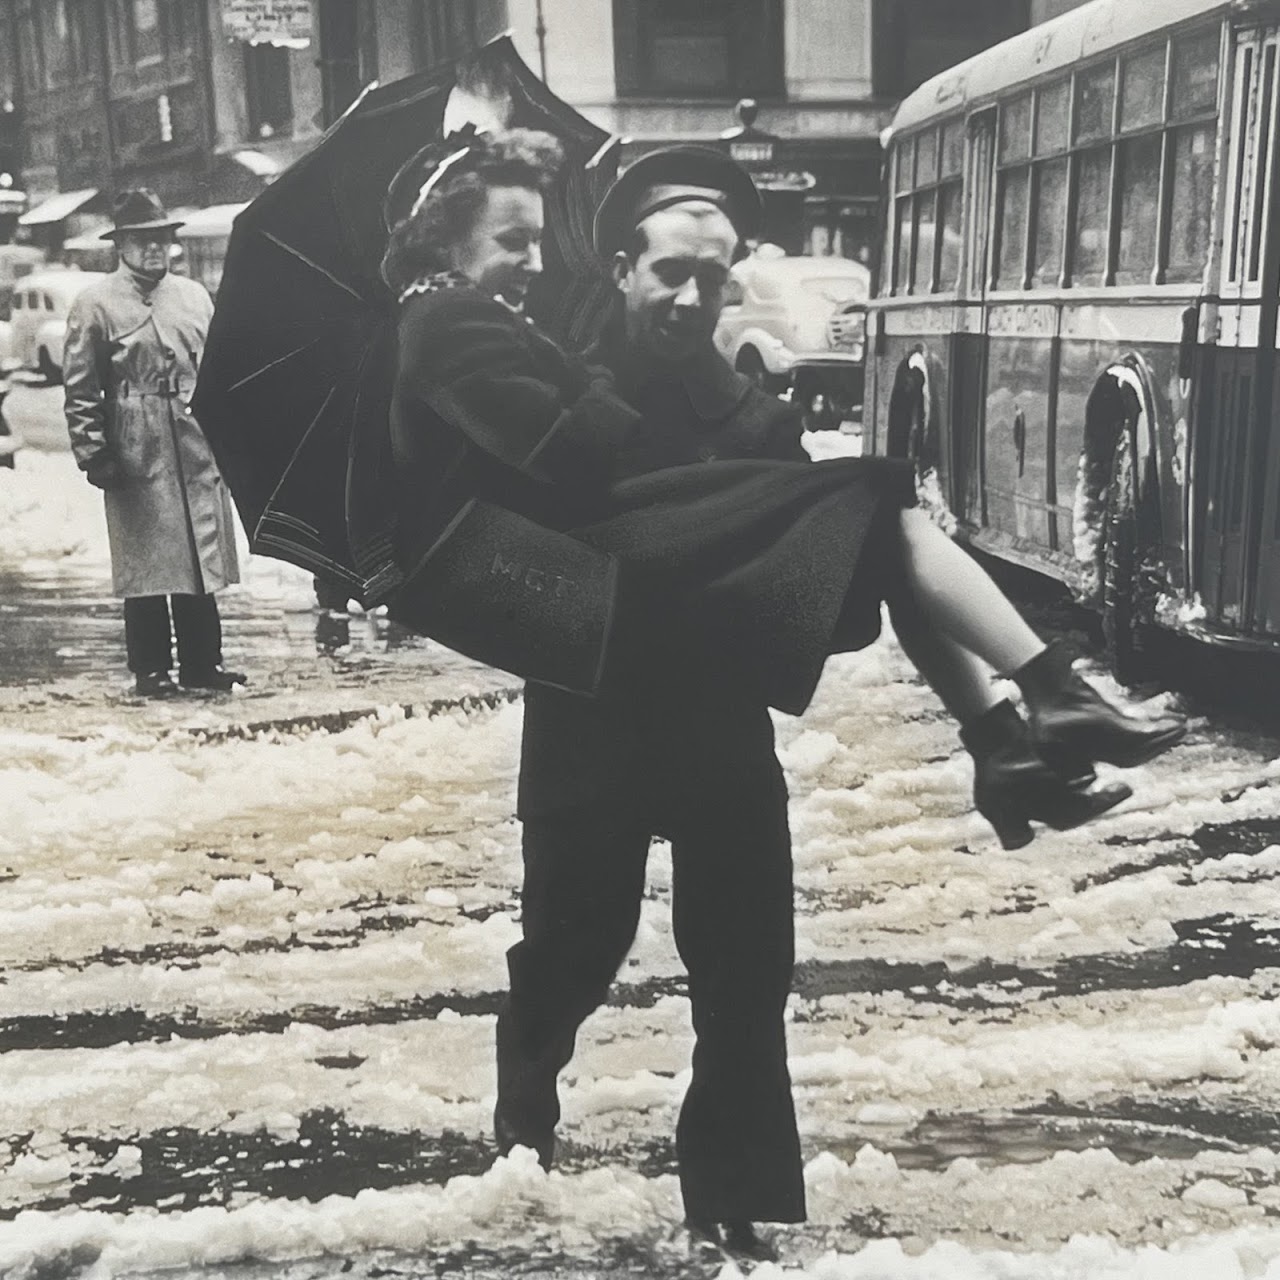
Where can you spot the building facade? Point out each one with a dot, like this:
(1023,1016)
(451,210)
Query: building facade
(206,101)
(822,78)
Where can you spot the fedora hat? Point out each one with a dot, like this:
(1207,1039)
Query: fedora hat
(138,210)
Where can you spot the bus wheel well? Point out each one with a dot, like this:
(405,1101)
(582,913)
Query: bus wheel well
(1105,530)
(1112,409)
(912,428)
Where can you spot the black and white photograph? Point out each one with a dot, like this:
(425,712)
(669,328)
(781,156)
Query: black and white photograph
(639,639)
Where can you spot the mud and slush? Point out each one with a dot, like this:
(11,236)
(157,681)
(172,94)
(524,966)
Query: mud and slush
(252,949)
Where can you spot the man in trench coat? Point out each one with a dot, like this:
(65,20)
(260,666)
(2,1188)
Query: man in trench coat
(134,342)
(599,777)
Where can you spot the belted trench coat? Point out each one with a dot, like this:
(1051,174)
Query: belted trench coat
(129,369)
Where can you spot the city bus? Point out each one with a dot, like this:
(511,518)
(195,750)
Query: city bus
(1074,333)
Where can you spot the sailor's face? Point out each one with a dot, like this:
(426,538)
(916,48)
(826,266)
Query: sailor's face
(504,250)
(674,290)
(146,252)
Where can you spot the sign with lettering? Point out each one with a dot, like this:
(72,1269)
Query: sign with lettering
(280,22)
(751,152)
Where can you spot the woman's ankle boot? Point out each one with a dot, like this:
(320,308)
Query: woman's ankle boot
(1013,786)
(1073,726)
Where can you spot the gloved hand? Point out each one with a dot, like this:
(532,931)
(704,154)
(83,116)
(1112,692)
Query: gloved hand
(103,472)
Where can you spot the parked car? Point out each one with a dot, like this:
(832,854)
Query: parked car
(39,317)
(784,325)
(10,441)
(16,261)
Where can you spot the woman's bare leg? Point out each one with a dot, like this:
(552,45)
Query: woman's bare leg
(958,599)
(963,682)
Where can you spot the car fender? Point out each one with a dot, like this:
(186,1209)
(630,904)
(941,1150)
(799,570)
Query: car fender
(778,358)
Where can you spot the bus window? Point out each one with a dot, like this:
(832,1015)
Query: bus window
(1190,225)
(1049,196)
(1194,90)
(1142,90)
(1092,222)
(1139,209)
(1012,228)
(950,206)
(926,241)
(1050,222)
(1014,192)
(904,172)
(1193,108)
(1095,102)
(902,251)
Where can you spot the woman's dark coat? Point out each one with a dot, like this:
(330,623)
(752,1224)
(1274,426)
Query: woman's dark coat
(529,542)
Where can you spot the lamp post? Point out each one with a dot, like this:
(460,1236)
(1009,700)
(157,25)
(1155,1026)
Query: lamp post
(541,30)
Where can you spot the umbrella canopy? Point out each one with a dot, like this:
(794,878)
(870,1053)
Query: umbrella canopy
(296,378)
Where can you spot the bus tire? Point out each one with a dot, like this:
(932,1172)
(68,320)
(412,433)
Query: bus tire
(1120,625)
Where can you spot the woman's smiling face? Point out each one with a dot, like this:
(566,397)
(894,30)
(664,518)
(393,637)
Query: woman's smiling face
(504,249)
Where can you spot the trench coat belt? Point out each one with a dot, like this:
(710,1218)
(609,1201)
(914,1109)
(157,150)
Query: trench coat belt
(164,386)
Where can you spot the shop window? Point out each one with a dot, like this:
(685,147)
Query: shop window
(31,51)
(715,48)
(268,92)
(67,40)
(443,30)
(143,32)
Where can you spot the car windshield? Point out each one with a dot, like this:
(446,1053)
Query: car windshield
(834,289)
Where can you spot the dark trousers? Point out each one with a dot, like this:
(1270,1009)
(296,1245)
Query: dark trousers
(736,1141)
(149,640)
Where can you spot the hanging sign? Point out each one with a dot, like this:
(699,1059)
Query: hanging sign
(286,23)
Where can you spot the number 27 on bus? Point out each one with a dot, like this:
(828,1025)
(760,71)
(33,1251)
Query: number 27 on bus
(1075,329)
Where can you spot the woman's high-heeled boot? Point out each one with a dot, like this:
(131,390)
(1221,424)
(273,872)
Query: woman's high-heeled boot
(1013,786)
(1073,725)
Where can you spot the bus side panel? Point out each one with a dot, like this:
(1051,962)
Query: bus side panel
(1268,607)
(964,428)
(1016,417)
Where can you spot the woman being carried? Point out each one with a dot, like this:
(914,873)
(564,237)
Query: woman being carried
(744,573)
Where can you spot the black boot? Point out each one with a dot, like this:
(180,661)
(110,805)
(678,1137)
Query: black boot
(1013,786)
(210,678)
(1072,725)
(509,1133)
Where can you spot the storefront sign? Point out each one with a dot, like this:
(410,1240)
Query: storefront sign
(783,180)
(280,22)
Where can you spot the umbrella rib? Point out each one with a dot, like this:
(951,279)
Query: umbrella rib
(315,266)
(266,368)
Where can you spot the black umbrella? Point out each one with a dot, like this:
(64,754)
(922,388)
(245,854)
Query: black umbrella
(295,382)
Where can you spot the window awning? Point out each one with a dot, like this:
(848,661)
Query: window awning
(55,208)
(214,221)
(259,164)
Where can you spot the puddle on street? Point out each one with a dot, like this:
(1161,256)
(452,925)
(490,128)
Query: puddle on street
(1031,1137)
(59,624)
